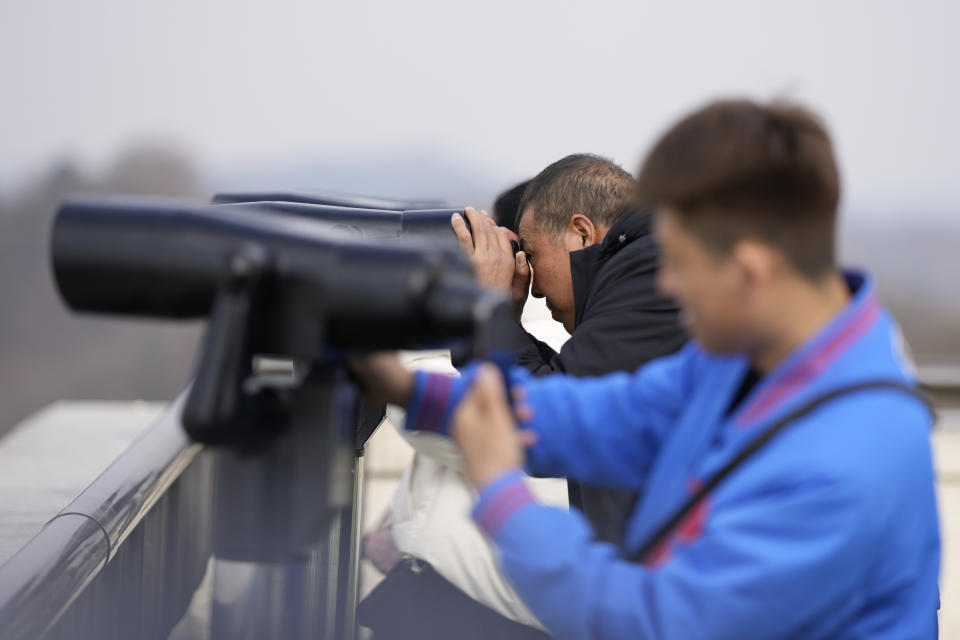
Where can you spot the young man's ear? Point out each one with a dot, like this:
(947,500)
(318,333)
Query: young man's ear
(585,232)
(758,262)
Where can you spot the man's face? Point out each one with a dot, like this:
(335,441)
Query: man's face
(710,288)
(549,257)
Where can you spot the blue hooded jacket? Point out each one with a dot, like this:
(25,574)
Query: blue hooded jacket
(830,531)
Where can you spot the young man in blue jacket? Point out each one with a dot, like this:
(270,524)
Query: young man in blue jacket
(828,531)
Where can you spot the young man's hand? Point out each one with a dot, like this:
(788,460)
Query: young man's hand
(493,259)
(383,379)
(486,432)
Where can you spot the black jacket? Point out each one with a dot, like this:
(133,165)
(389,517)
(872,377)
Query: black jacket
(621,322)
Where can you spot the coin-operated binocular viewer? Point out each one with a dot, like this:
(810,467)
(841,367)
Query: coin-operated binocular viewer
(286,297)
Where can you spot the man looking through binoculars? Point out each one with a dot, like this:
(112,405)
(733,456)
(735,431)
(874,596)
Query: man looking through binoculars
(594,260)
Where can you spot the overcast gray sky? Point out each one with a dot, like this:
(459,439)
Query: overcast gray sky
(506,84)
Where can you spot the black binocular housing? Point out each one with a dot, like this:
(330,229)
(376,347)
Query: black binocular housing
(161,259)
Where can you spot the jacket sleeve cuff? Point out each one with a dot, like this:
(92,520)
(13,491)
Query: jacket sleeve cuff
(430,401)
(500,500)
(435,396)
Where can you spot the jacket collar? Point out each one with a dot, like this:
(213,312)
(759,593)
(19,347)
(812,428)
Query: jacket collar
(586,263)
(812,359)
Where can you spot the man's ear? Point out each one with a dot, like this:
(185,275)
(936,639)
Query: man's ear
(757,262)
(584,231)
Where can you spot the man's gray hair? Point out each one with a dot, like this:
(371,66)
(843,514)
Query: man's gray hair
(579,183)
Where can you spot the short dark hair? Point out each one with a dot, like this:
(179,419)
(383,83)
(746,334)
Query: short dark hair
(507,206)
(580,183)
(736,169)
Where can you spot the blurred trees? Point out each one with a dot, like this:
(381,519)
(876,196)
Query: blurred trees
(46,353)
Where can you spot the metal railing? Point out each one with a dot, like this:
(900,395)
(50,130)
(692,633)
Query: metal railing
(126,555)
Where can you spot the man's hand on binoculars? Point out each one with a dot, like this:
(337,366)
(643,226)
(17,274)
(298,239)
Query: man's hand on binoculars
(383,378)
(486,431)
(493,259)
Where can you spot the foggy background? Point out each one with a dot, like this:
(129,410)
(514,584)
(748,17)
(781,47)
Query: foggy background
(449,100)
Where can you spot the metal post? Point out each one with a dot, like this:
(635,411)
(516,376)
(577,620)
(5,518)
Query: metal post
(285,526)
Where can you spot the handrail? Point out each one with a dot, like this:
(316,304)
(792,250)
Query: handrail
(38,584)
